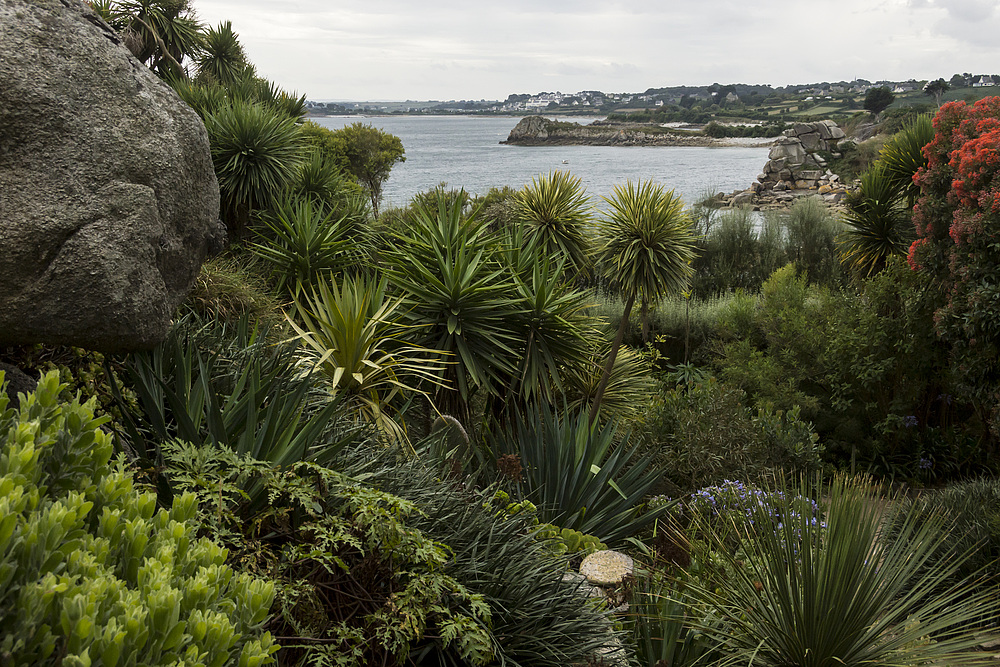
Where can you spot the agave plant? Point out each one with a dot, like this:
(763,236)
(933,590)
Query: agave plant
(256,153)
(845,591)
(351,335)
(877,224)
(647,249)
(556,215)
(580,476)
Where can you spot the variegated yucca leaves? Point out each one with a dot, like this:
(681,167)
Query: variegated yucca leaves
(352,335)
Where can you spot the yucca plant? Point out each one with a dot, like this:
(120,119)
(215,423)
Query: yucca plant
(221,58)
(877,224)
(845,591)
(647,245)
(903,155)
(255,152)
(351,335)
(460,299)
(580,476)
(321,180)
(556,215)
(305,243)
(552,320)
(221,384)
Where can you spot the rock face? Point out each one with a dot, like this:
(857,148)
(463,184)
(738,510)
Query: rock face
(795,162)
(795,167)
(108,199)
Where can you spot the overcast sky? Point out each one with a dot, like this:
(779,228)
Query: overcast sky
(460,49)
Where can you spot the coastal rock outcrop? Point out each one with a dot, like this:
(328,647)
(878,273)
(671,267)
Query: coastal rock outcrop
(795,167)
(795,162)
(108,198)
(541,131)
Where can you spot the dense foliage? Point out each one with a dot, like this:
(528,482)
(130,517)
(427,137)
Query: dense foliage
(958,222)
(92,571)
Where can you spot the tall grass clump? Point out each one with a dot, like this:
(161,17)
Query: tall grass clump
(838,589)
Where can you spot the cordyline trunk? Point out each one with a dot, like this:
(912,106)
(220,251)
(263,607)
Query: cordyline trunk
(595,408)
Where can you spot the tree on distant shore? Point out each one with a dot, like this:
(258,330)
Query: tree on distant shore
(936,89)
(878,100)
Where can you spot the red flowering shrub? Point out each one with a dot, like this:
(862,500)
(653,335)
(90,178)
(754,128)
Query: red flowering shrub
(958,225)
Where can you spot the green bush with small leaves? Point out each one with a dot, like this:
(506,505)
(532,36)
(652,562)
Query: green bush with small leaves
(91,572)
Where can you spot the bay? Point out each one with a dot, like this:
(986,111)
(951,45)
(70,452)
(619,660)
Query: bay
(465,152)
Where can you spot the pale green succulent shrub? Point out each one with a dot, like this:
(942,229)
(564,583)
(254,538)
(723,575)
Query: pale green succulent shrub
(91,572)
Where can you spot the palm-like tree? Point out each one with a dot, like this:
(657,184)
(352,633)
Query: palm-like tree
(646,252)
(159,33)
(462,299)
(256,152)
(556,215)
(221,58)
(552,322)
(877,224)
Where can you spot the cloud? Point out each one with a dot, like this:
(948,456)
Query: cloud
(447,49)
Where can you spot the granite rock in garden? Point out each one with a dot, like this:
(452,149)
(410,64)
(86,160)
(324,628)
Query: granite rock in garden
(108,198)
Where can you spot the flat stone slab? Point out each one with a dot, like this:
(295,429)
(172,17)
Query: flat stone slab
(606,568)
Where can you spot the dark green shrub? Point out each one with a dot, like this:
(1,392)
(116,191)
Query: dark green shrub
(703,433)
(91,571)
(401,566)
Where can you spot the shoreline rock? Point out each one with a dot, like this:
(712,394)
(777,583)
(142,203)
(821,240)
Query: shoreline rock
(796,167)
(541,131)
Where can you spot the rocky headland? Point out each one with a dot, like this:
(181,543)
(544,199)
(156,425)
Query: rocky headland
(541,131)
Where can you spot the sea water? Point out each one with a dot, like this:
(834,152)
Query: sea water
(465,152)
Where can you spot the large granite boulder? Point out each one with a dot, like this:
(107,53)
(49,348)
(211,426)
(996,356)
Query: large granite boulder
(108,199)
